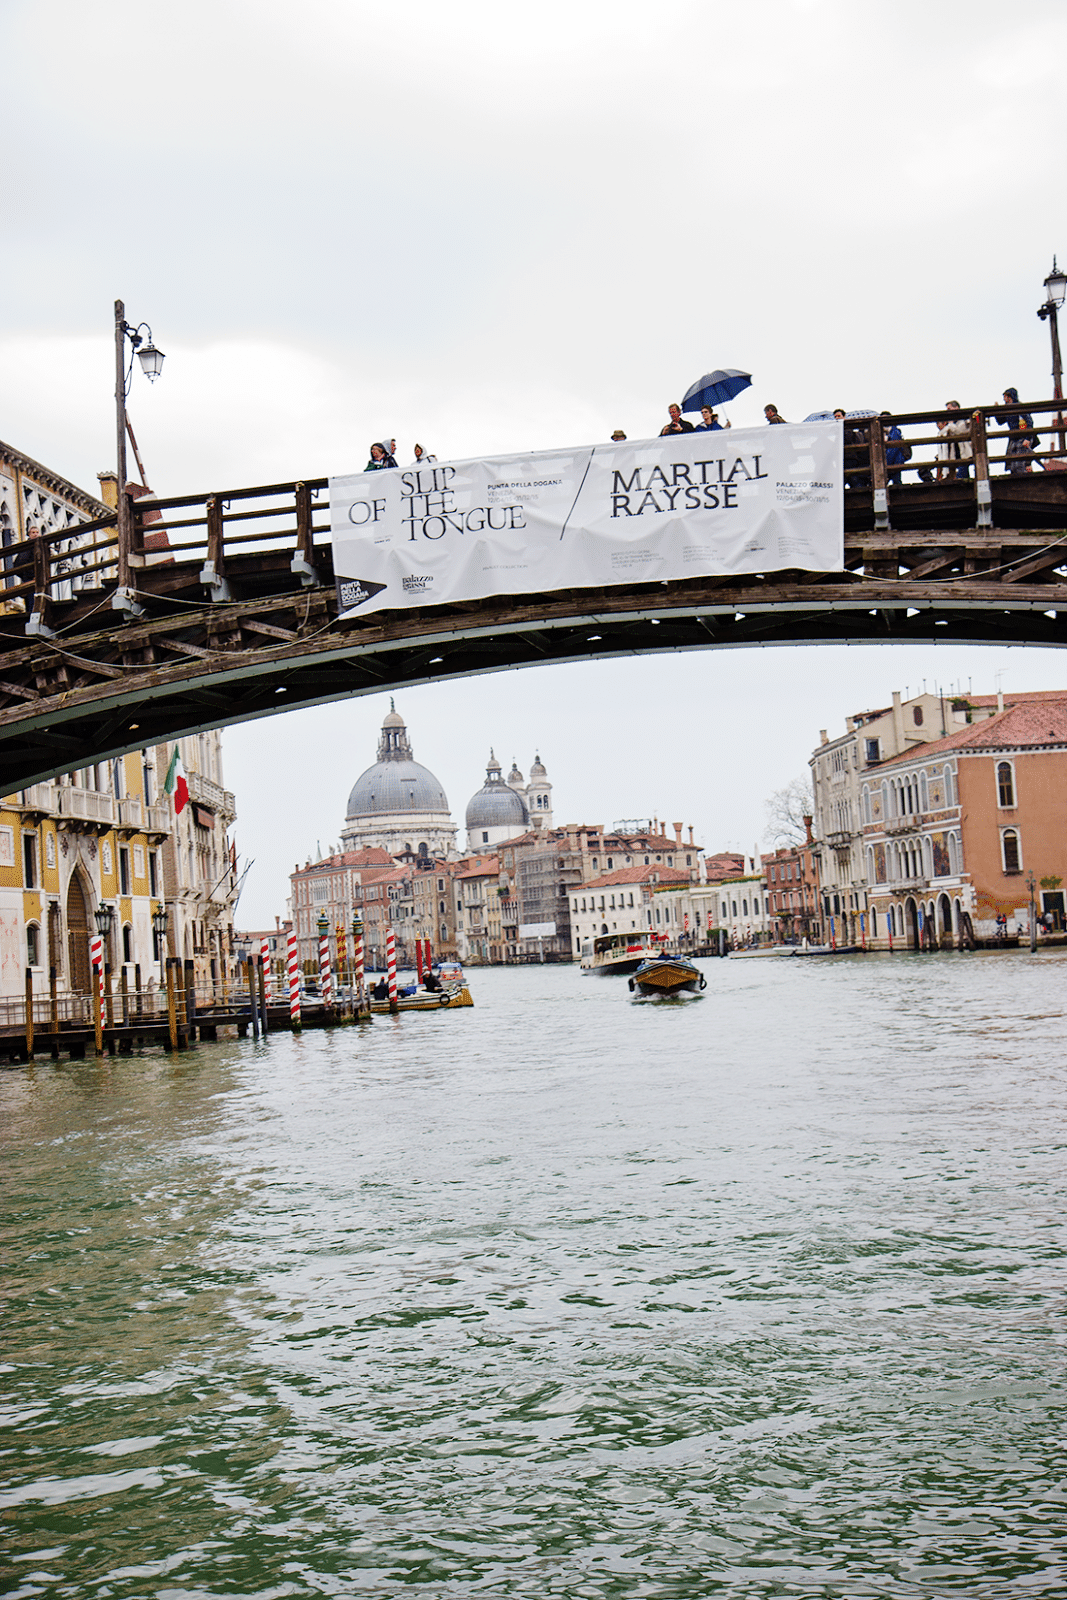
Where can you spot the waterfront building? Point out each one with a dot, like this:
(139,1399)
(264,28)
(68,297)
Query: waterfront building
(624,901)
(739,905)
(840,767)
(953,831)
(791,876)
(199,871)
(340,884)
(397,805)
(107,835)
(479,938)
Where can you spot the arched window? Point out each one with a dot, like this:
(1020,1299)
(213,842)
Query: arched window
(33,944)
(950,799)
(924,793)
(1009,844)
(127,942)
(1005,784)
(866,804)
(917,715)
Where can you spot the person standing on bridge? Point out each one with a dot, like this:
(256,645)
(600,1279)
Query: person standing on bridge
(709,421)
(957,446)
(421,457)
(379,457)
(677,424)
(772,414)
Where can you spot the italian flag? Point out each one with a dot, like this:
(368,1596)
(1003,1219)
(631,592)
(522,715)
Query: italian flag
(176,784)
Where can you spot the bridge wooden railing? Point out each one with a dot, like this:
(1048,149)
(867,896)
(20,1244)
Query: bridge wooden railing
(281,521)
(867,469)
(85,562)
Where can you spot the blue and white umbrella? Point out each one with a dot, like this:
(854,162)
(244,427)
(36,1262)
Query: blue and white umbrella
(828,416)
(715,388)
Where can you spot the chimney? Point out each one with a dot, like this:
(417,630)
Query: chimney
(898,723)
(807,821)
(109,488)
(678,834)
(1000,699)
(824,737)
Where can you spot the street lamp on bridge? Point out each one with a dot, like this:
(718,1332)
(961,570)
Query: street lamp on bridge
(151,361)
(1055,288)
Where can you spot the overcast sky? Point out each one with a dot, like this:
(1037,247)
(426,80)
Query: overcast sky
(495,229)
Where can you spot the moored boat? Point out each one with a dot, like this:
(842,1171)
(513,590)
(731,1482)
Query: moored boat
(667,975)
(424,1000)
(448,989)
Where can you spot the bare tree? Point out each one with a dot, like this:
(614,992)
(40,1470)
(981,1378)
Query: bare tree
(786,810)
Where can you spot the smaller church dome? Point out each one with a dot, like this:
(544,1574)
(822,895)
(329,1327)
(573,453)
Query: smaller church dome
(537,770)
(496,805)
(515,777)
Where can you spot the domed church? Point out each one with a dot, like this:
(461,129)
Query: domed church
(501,811)
(398,805)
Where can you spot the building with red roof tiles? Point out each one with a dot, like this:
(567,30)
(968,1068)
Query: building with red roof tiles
(839,767)
(622,901)
(958,833)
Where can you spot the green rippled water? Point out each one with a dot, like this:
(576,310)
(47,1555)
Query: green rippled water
(757,1294)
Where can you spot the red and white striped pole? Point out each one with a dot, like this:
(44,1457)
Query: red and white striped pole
(96,961)
(268,976)
(357,954)
(390,962)
(341,938)
(325,975)
(293,970)
(418,961)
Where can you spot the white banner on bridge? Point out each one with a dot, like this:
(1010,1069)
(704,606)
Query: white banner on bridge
(691,505)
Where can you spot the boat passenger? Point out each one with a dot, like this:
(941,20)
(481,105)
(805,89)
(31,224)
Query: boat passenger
(431,982)
(381,990)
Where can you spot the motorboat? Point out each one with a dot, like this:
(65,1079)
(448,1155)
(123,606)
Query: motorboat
(617,952)
(451,990)
(667,975)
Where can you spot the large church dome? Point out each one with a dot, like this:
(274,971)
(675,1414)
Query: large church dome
(395,786)
(398,804)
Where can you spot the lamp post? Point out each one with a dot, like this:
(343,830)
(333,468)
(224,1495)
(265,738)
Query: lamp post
(151,361)
(1033,923)
(159,928)
(1055,288)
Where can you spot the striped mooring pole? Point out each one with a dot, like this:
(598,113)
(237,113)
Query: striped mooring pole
(390,962)
(293,970)
(96,962)
(325,975)
(357,955)
(268,976)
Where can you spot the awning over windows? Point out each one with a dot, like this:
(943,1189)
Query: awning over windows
(203,817)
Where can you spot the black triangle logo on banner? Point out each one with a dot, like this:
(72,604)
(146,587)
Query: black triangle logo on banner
(352,592)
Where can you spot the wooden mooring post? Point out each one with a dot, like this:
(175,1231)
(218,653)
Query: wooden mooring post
(29,1013)
(172,1005)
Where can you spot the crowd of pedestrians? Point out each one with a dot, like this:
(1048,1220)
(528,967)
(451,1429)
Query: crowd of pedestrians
(952,460)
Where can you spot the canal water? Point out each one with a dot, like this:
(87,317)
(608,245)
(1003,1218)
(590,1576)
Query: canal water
(754,1294)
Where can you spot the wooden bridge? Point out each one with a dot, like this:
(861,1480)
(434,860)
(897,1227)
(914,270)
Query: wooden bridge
(221,608)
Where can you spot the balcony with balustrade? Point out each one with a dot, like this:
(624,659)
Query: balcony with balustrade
(85,810)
